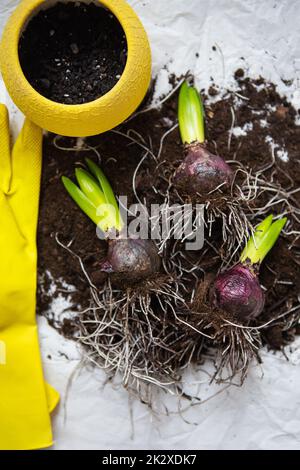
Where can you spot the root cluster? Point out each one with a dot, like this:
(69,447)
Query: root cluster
(143,334)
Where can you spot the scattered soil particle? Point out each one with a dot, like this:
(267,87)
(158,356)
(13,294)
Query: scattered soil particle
(120,157)
(213,91)
(281,112)
(239,73)
(73,53)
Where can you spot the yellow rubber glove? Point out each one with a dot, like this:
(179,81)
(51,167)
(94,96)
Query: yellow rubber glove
(25,399)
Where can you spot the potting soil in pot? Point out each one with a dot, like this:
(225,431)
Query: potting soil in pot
(73,53)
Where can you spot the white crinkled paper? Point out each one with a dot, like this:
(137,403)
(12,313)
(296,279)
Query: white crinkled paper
(265,412)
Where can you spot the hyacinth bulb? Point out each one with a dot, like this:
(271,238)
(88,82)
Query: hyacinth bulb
(238,292)
(135,259)
(202,172)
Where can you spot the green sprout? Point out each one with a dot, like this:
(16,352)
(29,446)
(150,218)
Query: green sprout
(95,197)
(263,239)
(190,115)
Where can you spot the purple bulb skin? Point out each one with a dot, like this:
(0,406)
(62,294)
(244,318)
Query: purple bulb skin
(201,171)
(238,292)
(132,259)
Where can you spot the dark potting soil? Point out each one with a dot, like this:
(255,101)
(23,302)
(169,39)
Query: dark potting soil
(257,102)
(73,53)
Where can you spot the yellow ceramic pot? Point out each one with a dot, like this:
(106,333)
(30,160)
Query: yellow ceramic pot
(86,119)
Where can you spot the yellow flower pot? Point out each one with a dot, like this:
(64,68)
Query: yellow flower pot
(87,119)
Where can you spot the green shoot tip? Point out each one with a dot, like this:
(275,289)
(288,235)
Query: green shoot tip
(95,197)
(190,115)
(263,240)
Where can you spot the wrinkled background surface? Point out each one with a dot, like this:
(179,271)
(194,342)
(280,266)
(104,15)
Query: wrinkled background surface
(262,37)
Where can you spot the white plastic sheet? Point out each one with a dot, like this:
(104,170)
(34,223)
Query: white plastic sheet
(264,38)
